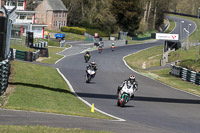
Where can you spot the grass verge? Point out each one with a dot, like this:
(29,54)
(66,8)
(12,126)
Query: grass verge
(171,27)
(187,58)
(151,56)
(53,56)
(41,88)
(43,129)
(146,58)
(163,76)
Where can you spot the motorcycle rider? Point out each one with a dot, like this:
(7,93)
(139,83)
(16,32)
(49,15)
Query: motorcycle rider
(87,54)
(92,66)
(130,82)
(112,46)
(100,48)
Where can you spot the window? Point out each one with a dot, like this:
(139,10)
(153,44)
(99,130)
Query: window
(56,23)
(12,3)
(29,17)
(20,3)
(22,16)
(37,29)
(60,14)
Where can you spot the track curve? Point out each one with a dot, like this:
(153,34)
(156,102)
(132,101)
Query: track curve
(155,104)
(156,108)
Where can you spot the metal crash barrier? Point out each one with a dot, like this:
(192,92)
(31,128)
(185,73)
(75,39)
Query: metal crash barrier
(185,74)
(4,75)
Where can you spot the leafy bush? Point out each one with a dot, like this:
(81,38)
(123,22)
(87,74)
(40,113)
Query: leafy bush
(75,30)
(100,33)
(65,29)
(81,31)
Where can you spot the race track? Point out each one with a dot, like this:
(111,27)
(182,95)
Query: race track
(156,107)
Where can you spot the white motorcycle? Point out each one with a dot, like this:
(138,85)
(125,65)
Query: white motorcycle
(89,75)
(125,94)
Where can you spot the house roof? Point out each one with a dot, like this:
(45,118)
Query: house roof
(57,5)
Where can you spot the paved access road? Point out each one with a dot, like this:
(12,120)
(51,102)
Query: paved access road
(156,107)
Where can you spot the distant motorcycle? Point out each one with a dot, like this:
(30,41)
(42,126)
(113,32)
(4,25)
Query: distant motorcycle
(112,47)
(100,49)
(89,75)
(124,95)
(87,57)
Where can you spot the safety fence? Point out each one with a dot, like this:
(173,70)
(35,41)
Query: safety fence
(26,56)
(41,44)
(4,75)
(185,74)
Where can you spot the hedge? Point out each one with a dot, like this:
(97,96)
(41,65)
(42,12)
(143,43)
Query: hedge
(100,33)
(75,30)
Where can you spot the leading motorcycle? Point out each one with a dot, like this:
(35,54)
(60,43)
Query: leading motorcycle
(89,75)
(87,57)
(125,95)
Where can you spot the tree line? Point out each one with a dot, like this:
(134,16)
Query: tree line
(133,16)
(113,15)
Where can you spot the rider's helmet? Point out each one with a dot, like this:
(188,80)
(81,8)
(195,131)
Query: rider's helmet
(132,79)
(87,52)
(93,64)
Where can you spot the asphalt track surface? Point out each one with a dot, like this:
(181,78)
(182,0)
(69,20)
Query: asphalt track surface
(156,107)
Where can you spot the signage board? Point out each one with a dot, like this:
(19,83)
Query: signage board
(165,36)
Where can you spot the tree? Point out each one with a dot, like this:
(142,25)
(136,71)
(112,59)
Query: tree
(32,4)
(128,14)
(74,11)
(90,13)
(154,13)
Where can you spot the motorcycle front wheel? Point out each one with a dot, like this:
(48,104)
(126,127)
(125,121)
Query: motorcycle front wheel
(88,78)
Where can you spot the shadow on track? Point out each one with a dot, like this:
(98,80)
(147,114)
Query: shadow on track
(140,98)
(42,87)
(107,96)
(166,100)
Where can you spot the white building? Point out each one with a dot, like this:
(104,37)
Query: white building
(25,20)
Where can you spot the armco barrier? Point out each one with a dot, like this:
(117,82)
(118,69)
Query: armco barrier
(176,71)
(4,75)
(20,55)
(39,45)
(197,80)
(26,56)
(193,77)
(185,74)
